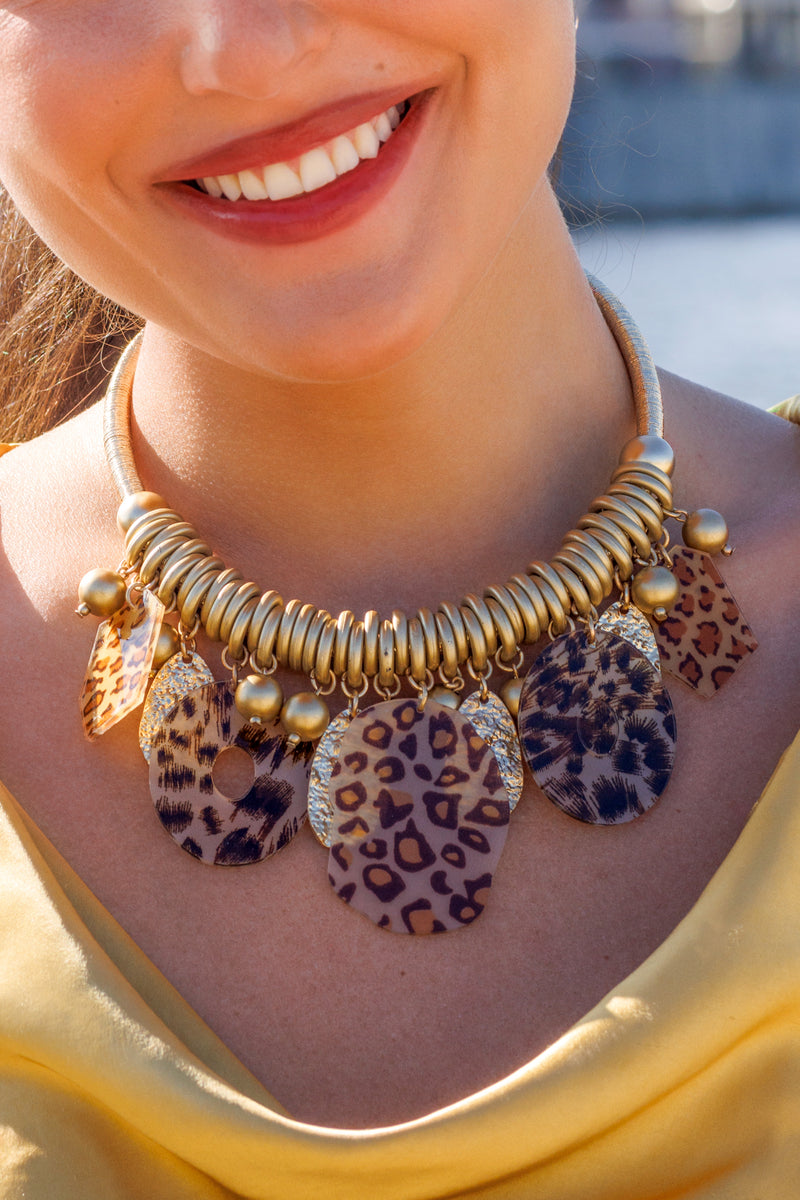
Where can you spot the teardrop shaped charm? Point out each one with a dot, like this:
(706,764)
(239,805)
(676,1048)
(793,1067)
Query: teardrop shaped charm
(203,821)
(420,818)
(493,722)
(630,623)
(119,666)
(176,678)
(597,728)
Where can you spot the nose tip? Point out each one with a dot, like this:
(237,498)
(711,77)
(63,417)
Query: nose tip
(245,47)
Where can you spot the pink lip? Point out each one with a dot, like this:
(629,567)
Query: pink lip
(288,141)
(311,215)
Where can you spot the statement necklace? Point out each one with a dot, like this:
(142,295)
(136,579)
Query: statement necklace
(412,794)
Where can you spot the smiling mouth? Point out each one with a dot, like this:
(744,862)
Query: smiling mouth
(310,171)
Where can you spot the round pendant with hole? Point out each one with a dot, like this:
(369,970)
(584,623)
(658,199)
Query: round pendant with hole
(202,734)
(597,728)
(420,816)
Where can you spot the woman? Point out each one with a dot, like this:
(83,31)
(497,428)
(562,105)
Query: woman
(387,390)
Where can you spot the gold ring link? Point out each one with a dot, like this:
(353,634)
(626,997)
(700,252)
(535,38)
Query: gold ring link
(625,519)
(175,570)
(245,597)
(580,600)
(559,616)
(322,659)
(433,654)
(266,604)
(195,587)
(402,660)
(145,528)
(264,654)
(543,570)
(447,641)
(344,623)
(355,656)
(238,629)
(481,611)
(308,655)
(612,539)
(536,599)
(290,613)
(647,476)
(628,489)
(386,655)
(372,631)
(452,613)
(161,546)
(297,641)
(509,606)
(478,656)
(646,508)
(589,579)
(215,603)
(509,643)
(533,630)
(592,553)
(418,667)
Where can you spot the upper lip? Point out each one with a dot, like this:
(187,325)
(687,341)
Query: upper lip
(287,141)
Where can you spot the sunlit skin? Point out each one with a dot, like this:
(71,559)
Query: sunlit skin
(397,412)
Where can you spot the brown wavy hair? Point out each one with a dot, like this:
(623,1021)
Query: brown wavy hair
(58,336)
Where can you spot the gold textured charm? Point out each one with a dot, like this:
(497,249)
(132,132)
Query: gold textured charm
(626,621)
(120,663)
(320,808)
(177,677)
(491,719)
(705,638)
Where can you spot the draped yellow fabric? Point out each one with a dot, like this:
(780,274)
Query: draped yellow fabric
(683,1082)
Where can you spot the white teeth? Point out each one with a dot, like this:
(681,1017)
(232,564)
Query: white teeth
(252,186)
(212,186)
(344,155)
(231,188)
(316,169)
(282,182)
(366,142)
(383,127)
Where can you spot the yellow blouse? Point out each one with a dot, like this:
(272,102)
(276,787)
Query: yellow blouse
(683,1082)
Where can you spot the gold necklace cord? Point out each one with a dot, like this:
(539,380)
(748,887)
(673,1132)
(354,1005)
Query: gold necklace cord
(620,531)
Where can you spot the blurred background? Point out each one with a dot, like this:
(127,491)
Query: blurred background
(680,174)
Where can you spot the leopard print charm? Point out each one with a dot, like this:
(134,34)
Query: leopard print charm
(119,666)
(597,728)
(420,818)
(203,821)
(705,637)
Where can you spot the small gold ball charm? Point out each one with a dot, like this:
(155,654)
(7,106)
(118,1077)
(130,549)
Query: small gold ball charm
(654,588)
(168,643)
(705,530)
(444,696)
(305,716)
(101,592)
(650,449)
(510,693)
(136,505)
(259,698)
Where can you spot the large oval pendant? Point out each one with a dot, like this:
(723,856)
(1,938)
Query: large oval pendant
(597,728)
(420,816)
(202,820)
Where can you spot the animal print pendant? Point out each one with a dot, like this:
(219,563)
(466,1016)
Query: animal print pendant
(493,722)
(420,816)
(626,621)
(178,676)
(597,728)
(119,666)
(705,638)
(209,825)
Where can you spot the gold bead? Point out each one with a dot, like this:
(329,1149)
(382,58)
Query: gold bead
(654,587)
(101,592)
(305,715)
(444,696)
(167,644)
(510,694)
(648,448)
(661,615)
(705,530)
(259,698)
(136,505)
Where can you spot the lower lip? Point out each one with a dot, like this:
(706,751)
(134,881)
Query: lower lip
(314,214)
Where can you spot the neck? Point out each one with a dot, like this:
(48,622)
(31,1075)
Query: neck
(444,473)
